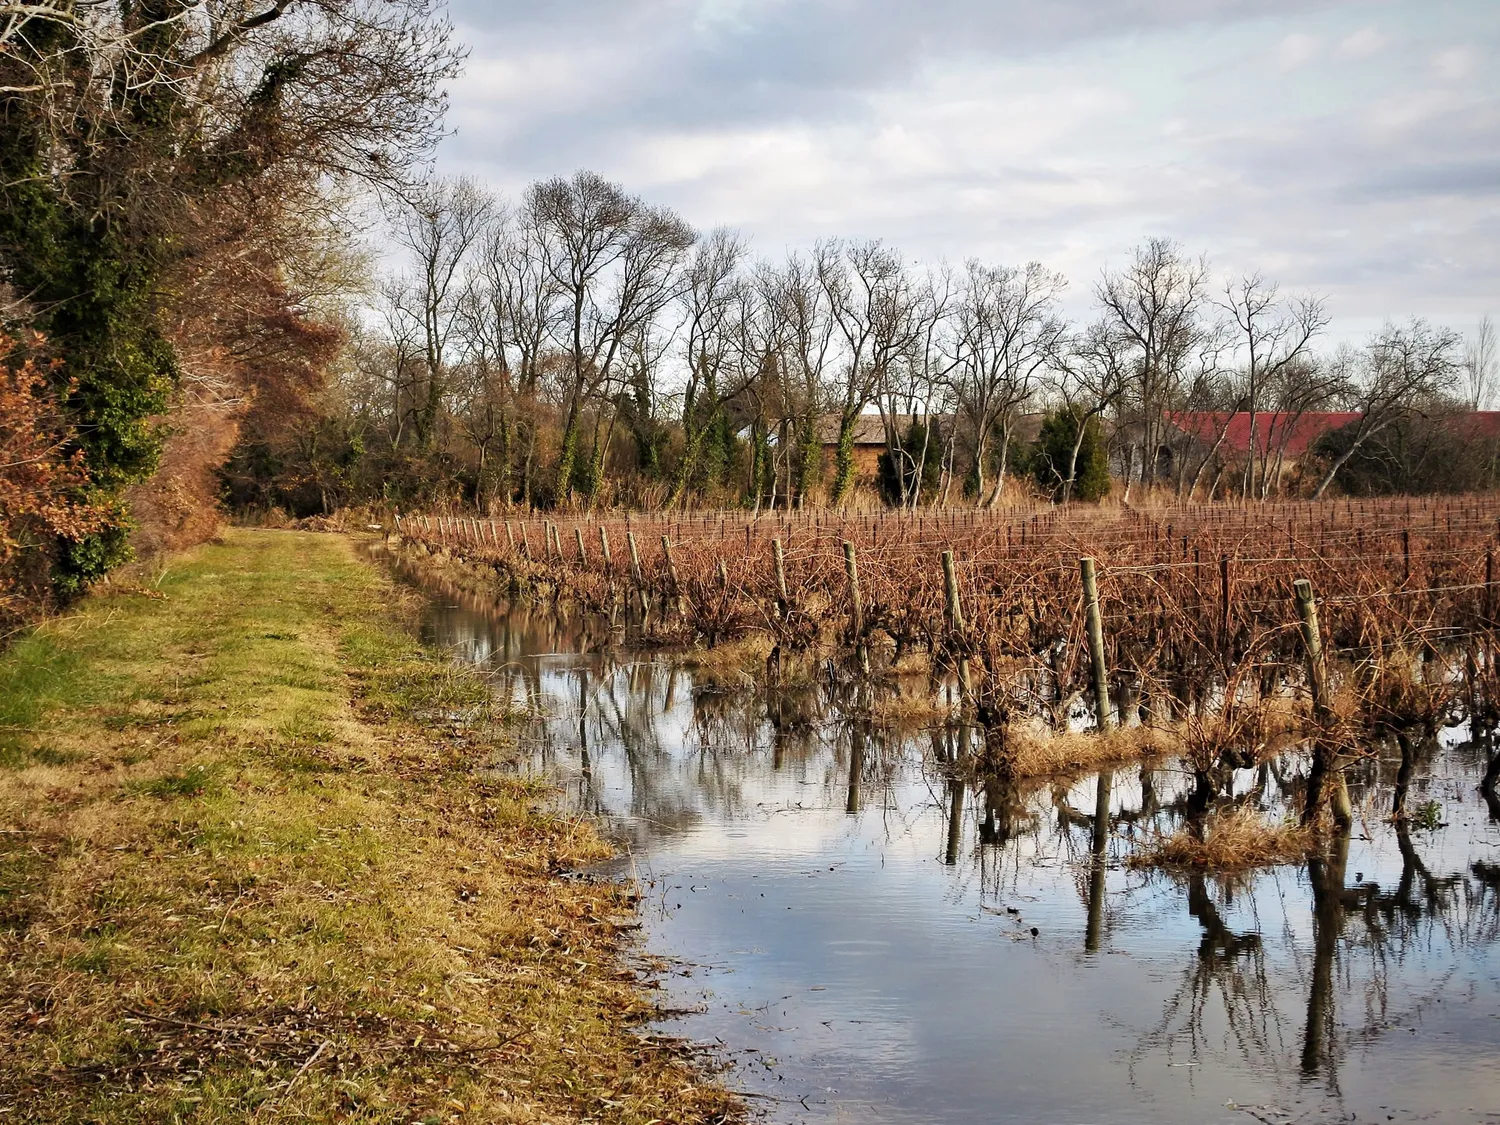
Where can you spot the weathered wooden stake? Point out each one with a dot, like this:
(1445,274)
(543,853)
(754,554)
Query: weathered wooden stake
(856,605)
(1325,754)
(1489,585)
(1095,626)
(1224,621)
(604,547)
(666,550)
(956,624)
(783,601)
(1312,643)
(583,555)
(635,572)
(856,608)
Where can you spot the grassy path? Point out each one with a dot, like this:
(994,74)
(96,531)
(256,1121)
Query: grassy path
(249,872)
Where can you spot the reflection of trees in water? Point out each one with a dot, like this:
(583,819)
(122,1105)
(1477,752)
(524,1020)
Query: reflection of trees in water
(683,748)
(1366,940)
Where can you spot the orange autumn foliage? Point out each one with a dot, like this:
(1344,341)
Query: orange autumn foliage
(43,493)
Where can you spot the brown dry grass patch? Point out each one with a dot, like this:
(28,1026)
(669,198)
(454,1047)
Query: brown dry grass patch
(1231,841)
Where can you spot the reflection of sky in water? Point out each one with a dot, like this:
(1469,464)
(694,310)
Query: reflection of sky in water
(855,975)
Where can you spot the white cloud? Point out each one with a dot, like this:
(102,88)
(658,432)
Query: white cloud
(1454,63)
(1216,122)
(1297,50)
(1363,43)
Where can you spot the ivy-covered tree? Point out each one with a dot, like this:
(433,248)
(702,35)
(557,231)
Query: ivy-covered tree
(137,137)
(1069,458)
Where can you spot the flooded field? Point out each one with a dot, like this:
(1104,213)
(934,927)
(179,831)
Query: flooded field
(865,938)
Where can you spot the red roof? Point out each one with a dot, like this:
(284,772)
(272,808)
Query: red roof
(1298,431)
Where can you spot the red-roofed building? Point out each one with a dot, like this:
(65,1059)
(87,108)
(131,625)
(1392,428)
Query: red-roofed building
(1201,446)
(1286,433)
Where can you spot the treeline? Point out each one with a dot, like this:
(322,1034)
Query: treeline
(583,346)
(173,181)
(187,321)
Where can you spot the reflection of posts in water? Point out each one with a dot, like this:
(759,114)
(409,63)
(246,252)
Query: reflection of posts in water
(1326,874)
(856,767)
(964,741)
(1000,804)
(955,819)
(1491,781)
(1097,848)
(1095,629)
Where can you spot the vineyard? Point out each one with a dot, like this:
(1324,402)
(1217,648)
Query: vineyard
(1194,625)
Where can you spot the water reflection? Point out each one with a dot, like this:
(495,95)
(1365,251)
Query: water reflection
(877,935)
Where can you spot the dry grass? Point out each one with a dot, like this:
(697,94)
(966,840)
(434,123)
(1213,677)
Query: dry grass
(1231,841)
(1038,752)
(909,707)
(249,872)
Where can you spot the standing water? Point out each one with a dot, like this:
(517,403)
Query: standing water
(868,940)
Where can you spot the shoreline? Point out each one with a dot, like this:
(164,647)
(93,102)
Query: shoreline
(249,870)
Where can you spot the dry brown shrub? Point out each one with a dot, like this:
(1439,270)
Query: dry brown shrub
(1038,752)
(1230,841)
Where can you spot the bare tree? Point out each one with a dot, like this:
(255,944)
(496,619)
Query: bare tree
(1091,375)
(1154,308)
(439,226)
(717,369)
(802,307)
(1481,358)
(873,304)
(1404,369)
(517,308)
(1006,330)
(1276,335)
(917,386)
(618,263)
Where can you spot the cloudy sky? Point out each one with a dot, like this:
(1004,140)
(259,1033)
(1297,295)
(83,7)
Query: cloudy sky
(1349,147)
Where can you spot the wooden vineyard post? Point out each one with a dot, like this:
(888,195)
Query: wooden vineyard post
(956,625)
(583,555)
(1324,753)
(1489,586)
(778,557)
(635,572)
(856,607)
(1224,622)
(1095,626)
(666,551)
(1312,644)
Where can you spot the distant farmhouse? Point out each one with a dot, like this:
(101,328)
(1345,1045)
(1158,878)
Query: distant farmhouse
(870,437)
(1278,442)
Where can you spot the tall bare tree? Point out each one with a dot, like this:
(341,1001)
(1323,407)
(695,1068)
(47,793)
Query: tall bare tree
(439,225)
(717,368)
(874,307)
(1276,335)
(618,263)
(1155,308)
(1007,329)
(518,309)
(1481,360)
(1401,371)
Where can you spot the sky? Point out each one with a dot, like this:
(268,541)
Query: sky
(1348,148)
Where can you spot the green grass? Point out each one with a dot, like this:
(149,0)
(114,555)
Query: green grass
(250,871)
